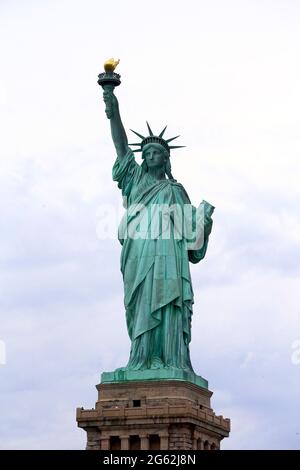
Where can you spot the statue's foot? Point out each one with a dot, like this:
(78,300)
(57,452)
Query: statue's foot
(120,369)
(157,363)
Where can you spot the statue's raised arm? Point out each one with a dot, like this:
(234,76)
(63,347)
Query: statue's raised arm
(117,129)
(109,80)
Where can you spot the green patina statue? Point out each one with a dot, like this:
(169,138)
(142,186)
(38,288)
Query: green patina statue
(155,256)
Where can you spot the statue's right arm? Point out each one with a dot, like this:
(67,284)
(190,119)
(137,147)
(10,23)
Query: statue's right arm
(117,129)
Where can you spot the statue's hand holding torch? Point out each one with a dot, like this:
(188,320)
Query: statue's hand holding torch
(109,80)
(110,100)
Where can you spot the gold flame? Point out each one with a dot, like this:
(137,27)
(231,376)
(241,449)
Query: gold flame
(110,64)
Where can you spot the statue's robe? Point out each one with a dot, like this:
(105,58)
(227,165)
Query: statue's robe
(157,282)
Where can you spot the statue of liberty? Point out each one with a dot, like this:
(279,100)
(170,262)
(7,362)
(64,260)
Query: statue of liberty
(158,293)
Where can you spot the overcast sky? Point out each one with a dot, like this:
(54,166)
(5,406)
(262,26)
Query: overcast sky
(223,75)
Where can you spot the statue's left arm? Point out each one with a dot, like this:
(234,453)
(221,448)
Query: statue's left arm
(206,210)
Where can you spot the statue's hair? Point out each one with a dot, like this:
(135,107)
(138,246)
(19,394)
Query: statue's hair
(168,169)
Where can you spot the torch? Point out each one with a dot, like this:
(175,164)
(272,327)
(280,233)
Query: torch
(109,80)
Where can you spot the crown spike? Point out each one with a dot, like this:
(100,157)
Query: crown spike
(162,132)
(139,135)
(137,150)
(135,145)
(176,146)
(149,128)
(173,138)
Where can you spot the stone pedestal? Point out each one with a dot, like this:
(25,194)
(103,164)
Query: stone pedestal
(153,415)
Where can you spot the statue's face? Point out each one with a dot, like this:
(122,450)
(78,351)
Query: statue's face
(155,155)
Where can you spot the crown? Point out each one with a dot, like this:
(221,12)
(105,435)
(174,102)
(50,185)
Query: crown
(155,139)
